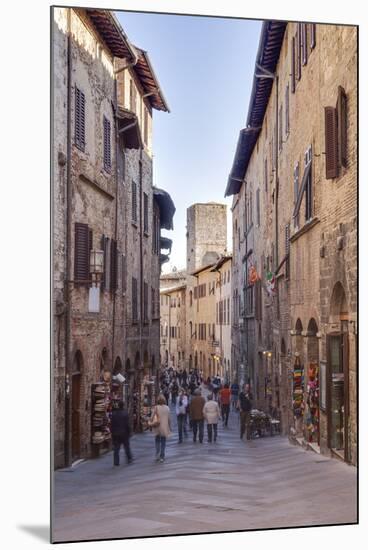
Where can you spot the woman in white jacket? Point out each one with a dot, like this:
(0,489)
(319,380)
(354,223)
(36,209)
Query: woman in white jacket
(163,430)
(211,412)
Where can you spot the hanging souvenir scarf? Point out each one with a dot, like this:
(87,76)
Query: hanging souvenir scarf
(271,283)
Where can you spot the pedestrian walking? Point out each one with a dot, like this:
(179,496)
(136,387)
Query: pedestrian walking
(234,394)
(211,413)
(225,395)
(196,414)
(245,406)
(181,411)
(120,433)
(161,426)
(174,391)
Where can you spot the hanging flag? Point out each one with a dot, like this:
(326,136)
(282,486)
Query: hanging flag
(271,283)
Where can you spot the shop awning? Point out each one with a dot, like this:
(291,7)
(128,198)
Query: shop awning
(166,206)
(129,129)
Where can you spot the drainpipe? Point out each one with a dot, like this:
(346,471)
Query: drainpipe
(277,189)
(116,212)
(141,249)
(67,287)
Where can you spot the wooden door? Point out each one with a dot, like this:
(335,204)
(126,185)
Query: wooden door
(76,415)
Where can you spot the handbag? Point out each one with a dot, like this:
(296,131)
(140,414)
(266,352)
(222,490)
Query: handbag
(155,422)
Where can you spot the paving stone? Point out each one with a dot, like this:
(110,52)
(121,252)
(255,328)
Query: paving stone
(203,488)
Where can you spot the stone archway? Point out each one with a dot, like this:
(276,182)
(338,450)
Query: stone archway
(338,375)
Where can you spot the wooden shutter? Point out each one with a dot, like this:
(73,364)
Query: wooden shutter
(123,273)
(298,52)
(342,126)
(134,201)
(79,128)
(331,142)
(134,299)
(287,116)
(81,253)
(287,250)
(293,65)
(107,144)
(145,212)
(280,128)
(265,175)
(145,302)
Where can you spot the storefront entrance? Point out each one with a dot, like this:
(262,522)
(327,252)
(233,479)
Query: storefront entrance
(76,415)
(338,392)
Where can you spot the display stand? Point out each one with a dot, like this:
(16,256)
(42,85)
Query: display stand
(148,401)
(298,388)
(312,417)
(101,417)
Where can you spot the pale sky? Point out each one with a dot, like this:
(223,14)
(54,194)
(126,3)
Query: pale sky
(205,68)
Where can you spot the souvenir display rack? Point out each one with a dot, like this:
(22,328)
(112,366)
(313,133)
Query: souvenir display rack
(148,400)
(298,387)
(312,418)
(101,416)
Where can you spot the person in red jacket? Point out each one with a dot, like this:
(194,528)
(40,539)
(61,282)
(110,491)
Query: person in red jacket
(225,395)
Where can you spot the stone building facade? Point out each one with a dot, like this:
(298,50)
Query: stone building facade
(173,327)
(222,270)
(294,181)
(90,216)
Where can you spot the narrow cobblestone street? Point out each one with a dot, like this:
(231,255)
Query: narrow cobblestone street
(201,488)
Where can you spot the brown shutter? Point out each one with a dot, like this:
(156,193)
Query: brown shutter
(298,51)
(331,142)
(79,119)
(81,253)
(293,64)
(107,144)
(342,125)
(123,273)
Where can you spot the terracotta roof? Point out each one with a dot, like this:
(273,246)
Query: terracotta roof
(269,48)
(149,81)
(111,32)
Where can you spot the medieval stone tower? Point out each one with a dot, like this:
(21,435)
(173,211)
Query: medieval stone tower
(206,234)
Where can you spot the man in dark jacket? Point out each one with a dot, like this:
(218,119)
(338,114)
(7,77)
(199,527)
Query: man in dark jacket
(120,431)
(245,406)
(196,414)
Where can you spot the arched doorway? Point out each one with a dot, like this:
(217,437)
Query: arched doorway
(338,374)
(77,369)
(118,367)
(298,380)
(312,384)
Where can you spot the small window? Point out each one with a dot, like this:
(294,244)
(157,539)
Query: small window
(107,144)
(79,127)
(134,202)
(145,212)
